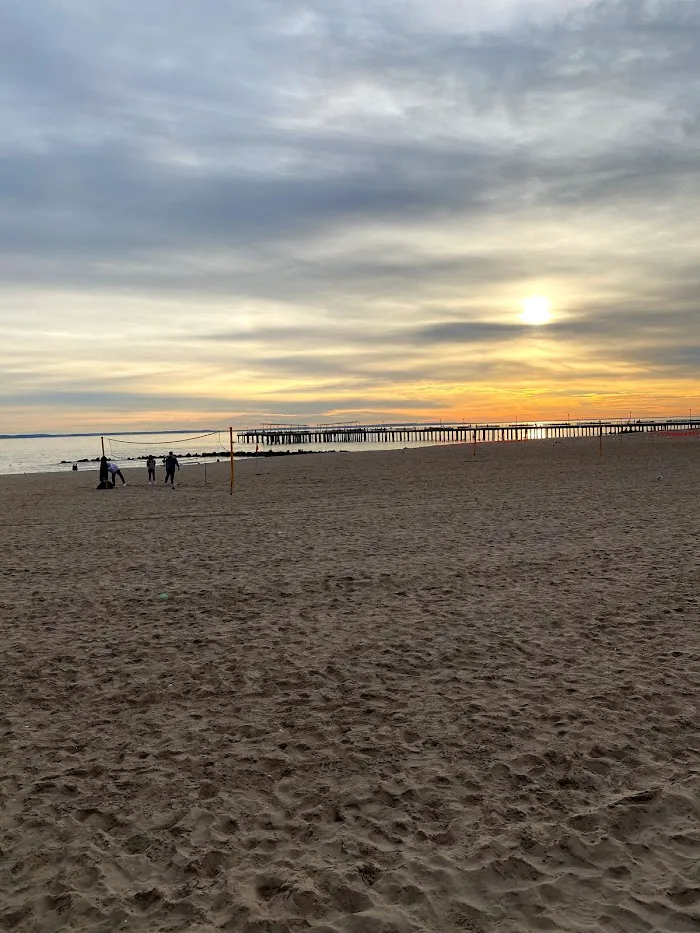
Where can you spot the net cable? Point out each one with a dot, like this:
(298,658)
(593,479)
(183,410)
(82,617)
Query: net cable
(179,440)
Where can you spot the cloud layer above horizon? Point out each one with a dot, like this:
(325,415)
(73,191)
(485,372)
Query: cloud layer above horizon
(269,209)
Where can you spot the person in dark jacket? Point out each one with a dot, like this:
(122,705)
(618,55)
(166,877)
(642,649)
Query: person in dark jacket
(151,467)
(171,464)
(104,473)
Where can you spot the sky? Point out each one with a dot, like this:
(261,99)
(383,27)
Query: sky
(268,210)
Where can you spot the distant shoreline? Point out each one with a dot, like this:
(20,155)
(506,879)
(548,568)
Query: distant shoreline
(219,454)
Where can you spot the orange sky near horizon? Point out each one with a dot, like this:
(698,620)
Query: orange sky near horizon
(370,212)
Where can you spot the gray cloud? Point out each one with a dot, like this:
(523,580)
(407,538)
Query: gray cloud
(120,188)
(275,406)
(321,157)
(468,332)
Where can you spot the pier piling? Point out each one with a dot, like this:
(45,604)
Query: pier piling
(273,435)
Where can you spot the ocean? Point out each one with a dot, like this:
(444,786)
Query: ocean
(45,454)
(57,453)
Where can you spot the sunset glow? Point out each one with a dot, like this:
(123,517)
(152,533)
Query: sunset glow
(537,310)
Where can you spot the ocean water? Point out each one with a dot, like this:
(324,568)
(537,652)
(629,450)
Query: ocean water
(45,454)
(57,453)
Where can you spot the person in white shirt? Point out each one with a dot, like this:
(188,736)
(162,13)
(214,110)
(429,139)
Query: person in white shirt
(115,472)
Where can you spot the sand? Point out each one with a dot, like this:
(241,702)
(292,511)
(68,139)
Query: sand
(387,693)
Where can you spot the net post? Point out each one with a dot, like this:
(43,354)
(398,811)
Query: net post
(600,440)
(230,436)
(103,445)
(474,452)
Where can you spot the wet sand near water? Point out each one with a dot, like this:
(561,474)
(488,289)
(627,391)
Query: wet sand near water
(387,692)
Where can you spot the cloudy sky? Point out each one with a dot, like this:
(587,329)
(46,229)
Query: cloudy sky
(242,210)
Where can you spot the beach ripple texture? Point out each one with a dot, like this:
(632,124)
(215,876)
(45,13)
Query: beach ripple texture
(387,693)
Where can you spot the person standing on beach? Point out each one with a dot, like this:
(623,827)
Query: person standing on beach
(114,473)
(171,464)
(151,466)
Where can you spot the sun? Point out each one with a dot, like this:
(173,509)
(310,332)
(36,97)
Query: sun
(537,310)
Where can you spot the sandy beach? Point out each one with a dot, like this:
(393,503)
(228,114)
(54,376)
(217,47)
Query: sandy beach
(387,692)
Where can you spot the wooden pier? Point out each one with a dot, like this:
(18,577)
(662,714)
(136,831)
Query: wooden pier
(272,435)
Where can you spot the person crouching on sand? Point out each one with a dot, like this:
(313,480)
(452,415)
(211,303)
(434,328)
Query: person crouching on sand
(171,464)
(104,472)
(114,473)
(151,465)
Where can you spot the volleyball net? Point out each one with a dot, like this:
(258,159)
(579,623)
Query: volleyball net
(192,448)
(197,446)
